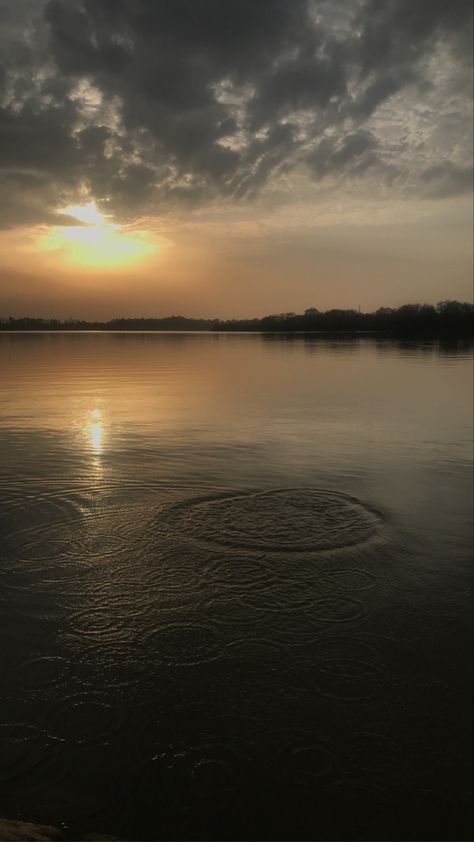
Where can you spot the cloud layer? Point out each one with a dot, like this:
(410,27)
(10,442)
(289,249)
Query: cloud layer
(149,104)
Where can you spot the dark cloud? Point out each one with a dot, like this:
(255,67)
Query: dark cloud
(307,80)
(147,102)
(264,157)
(355,152)
(445,180)
(395,33)
(38,141)
(40,162)
(92,141)
(79,44)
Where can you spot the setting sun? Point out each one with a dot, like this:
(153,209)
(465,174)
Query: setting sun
(96,242)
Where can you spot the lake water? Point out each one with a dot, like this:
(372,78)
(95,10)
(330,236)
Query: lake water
(236,585)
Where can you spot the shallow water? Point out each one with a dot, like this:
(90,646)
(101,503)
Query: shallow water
(235,585)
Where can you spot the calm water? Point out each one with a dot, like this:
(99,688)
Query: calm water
(235,585)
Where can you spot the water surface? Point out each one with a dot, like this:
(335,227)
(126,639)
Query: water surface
(235,585)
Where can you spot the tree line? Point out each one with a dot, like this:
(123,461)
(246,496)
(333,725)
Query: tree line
(446,317)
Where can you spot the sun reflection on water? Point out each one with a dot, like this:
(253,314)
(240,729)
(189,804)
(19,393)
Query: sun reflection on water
(94,429)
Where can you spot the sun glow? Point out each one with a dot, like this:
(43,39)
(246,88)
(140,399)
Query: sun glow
(96,242)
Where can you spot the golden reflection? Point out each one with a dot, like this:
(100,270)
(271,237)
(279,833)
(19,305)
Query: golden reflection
(94,429)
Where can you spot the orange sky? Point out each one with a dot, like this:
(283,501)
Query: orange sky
(207,267)
(243,165)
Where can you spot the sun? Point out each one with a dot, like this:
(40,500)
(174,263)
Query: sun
(96,242)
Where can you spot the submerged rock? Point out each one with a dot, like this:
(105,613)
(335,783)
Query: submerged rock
(19,831)
(11,831)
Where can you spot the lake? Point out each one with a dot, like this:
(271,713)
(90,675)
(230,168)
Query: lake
(235,585)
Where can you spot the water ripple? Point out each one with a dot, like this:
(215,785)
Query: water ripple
(87,719)
(285,520)
(43,671)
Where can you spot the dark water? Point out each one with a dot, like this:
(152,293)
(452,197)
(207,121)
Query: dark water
(235,586)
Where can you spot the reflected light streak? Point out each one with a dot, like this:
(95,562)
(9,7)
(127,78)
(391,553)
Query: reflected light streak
(94,429)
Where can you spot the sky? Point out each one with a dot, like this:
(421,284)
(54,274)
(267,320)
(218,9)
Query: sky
(232,158)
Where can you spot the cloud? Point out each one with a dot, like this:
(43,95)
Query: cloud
(446,180)
(355,152)
(150,103)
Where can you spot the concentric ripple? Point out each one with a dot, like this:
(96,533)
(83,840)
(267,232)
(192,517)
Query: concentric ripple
(42,671)
(23,745)
(22,748)
(148,781)
(182,644)
(85,719)
(215,767)
(289,520)
(238,574)
(349,579)
(302,758)
(345,669)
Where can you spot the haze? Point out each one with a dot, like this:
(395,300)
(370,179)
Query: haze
(233,159)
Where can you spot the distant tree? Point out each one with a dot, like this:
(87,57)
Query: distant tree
(449,318)
(455,308)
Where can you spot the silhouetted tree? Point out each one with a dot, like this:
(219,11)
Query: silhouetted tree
(448,318)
